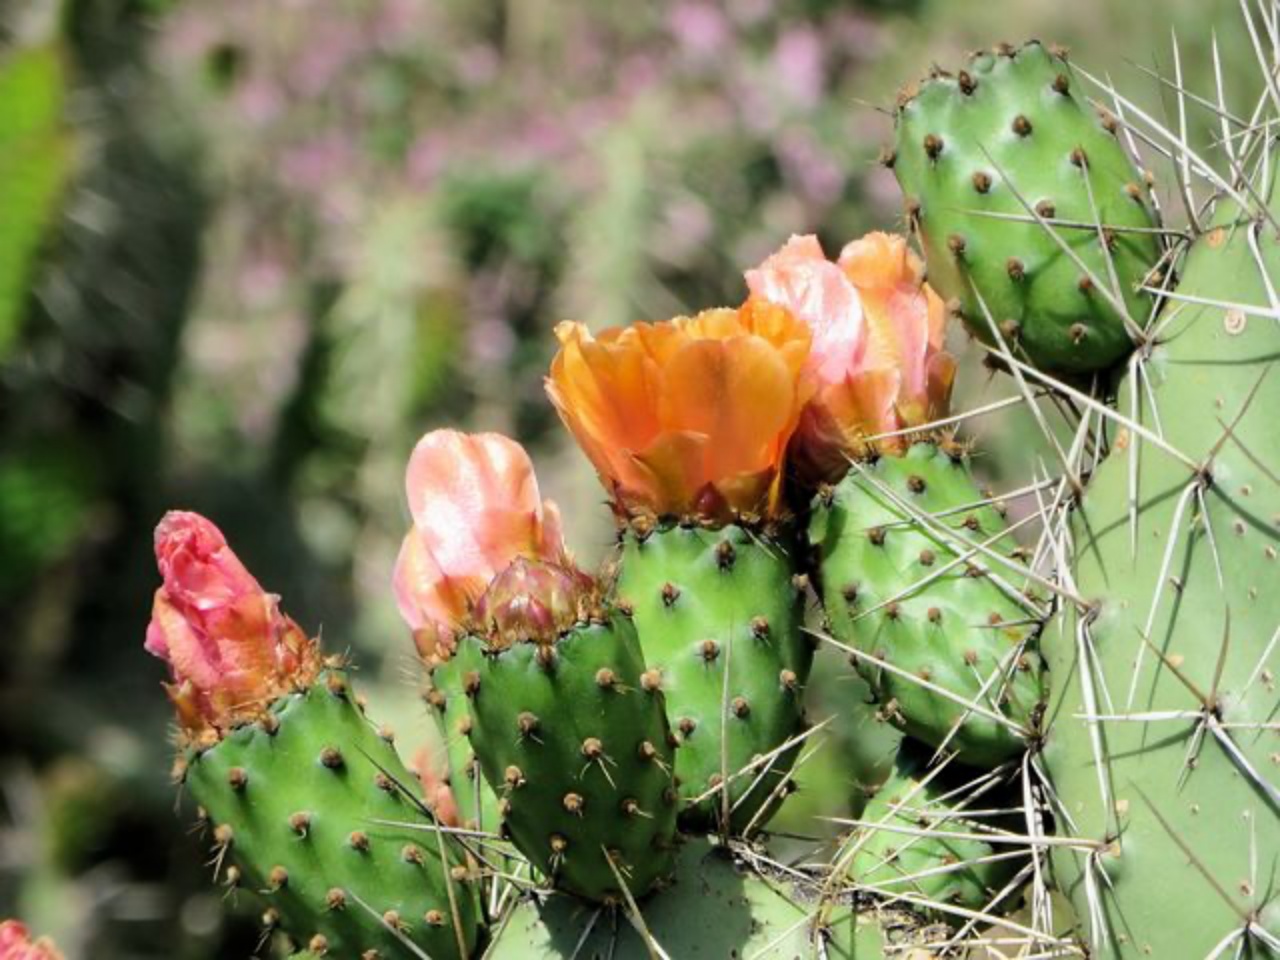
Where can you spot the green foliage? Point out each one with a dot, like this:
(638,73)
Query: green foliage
(583,755)
(35,160)
(720,619)
(44,500)
(1175,785)
(316,811)
(1012,131)
(889,541)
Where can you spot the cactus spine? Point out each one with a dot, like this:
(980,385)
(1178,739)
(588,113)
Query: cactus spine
(713,910)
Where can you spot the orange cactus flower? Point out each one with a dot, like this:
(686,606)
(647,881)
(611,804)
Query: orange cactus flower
(16,944)
(229,648)
(476,508)
(690,417)
(878,363)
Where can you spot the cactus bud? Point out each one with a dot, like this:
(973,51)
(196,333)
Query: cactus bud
(476,508)
(16,944)
(533,601)
(229,648)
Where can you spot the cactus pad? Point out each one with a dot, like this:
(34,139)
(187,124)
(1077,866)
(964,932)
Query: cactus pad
(1163,751)
(296,804)
(712,911)
(942,869)
(583,754)
(477,803)
(1014,130)
(707,602)
(896,590)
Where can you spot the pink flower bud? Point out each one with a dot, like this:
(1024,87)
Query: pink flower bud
(476,508)
(16,944)
(533,601)
(229,648)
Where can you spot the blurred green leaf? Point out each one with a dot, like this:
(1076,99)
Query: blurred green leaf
(44,500)
(35,155)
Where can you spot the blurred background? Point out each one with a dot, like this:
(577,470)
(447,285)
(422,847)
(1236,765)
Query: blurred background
(251,250)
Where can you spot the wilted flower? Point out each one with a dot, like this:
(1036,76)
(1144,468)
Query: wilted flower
(476,508)
(877,363)
(16,944)
(229,648)
(690,417)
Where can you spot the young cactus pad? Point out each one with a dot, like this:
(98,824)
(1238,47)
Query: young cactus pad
(1162,741)
(1014,136)
(937,628)
(582,754)
(713,910)
(719,616)
(301,807)
(918,845)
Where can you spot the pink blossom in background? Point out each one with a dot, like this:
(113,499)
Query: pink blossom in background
(700,29)
(798,65)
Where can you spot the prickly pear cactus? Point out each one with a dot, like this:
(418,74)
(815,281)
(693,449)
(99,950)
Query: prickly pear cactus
(715,909)
(477,803)
(918,841)
(719,615)
(985,157)
(314,809)
(1162,745)
(583,754)
(938,627)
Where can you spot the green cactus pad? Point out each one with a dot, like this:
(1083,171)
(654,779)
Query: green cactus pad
(477,803)
(295,805)
(1017,123)
(895,590)
(713,910)
(930,869)
(583,753)
(706,600)
(1182,852)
